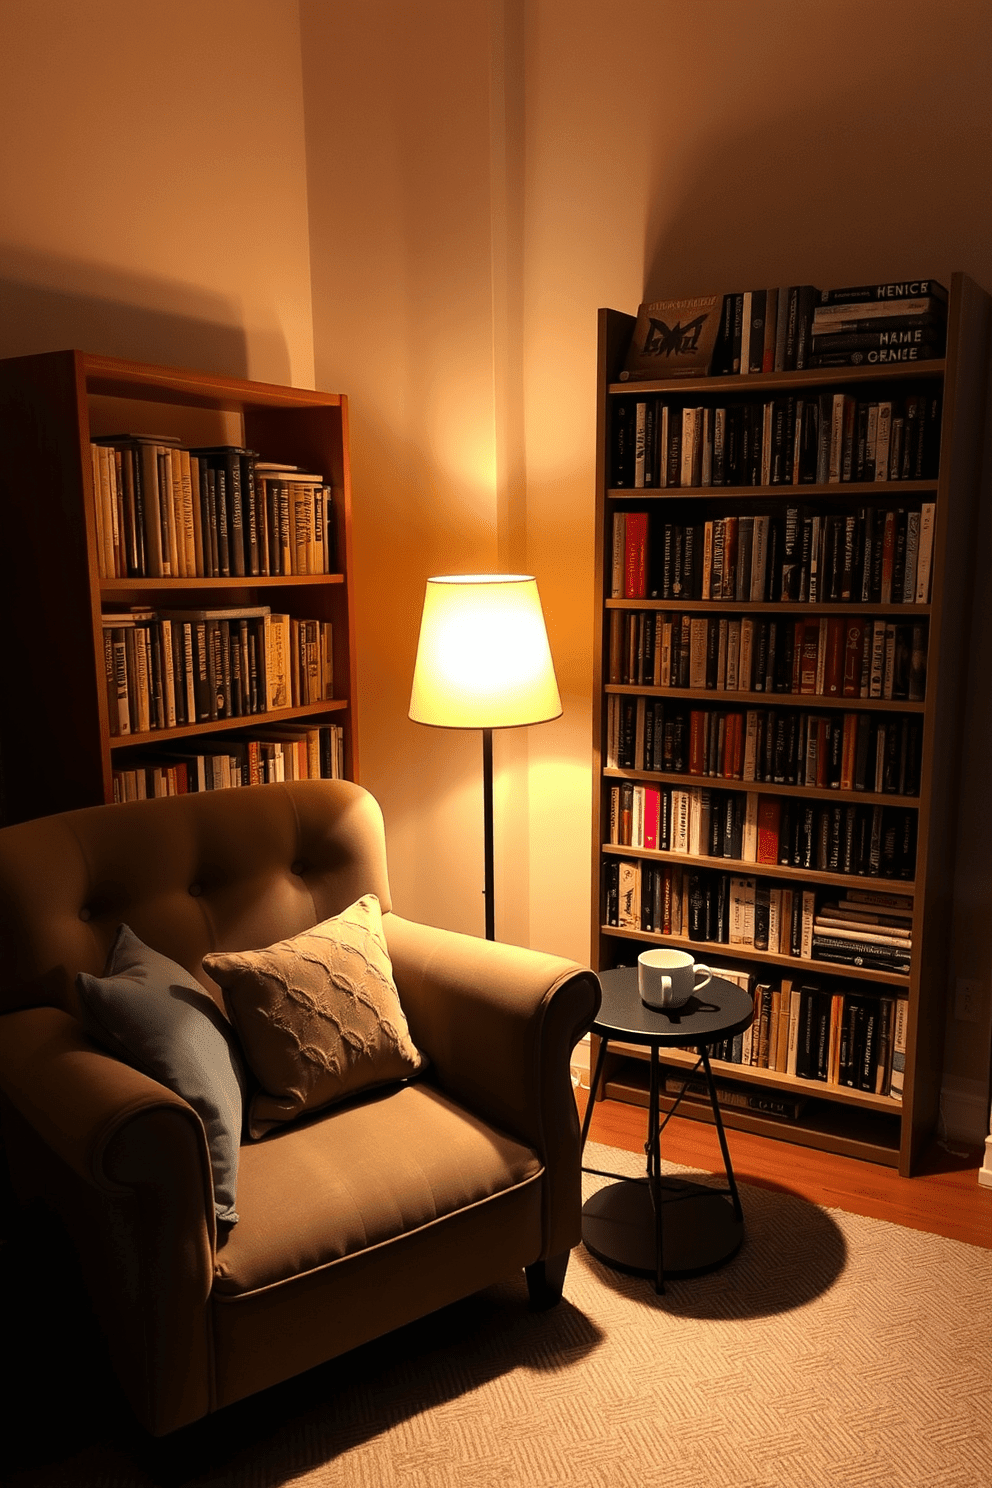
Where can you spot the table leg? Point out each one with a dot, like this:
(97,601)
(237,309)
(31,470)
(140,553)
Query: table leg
(738,1211)
(654,1171)
(604,1044)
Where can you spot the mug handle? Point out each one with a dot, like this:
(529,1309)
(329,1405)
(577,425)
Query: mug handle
(708,977)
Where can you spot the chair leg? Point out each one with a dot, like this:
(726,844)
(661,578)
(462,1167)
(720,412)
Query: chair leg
(545,1280)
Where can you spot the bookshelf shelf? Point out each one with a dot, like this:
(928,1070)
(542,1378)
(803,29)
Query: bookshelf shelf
(639,639)
(110,588)
(761,382)
(827,1121)
(763,958)
(868,491)
(767,787)
(754,607)
(57,747)
(770,699)
(767,870)
(241,723)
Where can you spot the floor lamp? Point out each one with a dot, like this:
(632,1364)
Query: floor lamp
(483,661)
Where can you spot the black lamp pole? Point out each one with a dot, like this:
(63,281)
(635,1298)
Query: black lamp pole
(487,807)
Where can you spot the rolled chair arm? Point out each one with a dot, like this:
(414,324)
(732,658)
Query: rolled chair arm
(132,1184)
(75,1097)
(499,1024)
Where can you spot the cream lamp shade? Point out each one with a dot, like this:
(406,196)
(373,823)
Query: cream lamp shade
(483,659)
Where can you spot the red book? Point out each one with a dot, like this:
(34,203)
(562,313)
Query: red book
(834,670)
(854,631)
(635,563)
(809,657)
(769,822)
(697,742)
(848,751)
(652,815)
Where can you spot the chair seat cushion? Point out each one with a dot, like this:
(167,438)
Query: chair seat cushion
(357,1176)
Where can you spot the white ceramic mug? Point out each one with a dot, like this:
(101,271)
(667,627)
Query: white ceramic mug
(667,979)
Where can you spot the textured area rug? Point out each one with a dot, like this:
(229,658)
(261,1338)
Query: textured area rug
(832,1349)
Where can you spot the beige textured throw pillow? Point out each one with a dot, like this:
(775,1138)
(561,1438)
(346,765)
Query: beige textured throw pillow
(318,1016)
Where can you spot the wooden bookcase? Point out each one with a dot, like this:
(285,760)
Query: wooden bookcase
(56,747)
(875,1127)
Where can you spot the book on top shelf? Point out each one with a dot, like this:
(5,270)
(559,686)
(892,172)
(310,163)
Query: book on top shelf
(673,338)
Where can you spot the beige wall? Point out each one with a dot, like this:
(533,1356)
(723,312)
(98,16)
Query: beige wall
(153,183)
(482,178)
(483,175)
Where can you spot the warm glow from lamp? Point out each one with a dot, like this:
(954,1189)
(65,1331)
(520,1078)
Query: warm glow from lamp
(483,659)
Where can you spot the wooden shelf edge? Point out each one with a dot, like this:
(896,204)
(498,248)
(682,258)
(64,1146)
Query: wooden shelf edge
(808,377)
(828,794)
(119,377)
(763,958)
(803,1135)
(228,725)
(110,587)
(770,607)
(745,869)
(768,699)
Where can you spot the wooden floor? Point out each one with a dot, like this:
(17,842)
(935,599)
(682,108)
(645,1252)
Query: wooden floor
(945,1198)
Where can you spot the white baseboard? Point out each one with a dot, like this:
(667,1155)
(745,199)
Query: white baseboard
(964,1105)
(985,1171)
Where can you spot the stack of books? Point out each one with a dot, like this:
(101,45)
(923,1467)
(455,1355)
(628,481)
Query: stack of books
(866,929)
(868,324)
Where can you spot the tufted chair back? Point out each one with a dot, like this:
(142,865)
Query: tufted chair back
(231,870)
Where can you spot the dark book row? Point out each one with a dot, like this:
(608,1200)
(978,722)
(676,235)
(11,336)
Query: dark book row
(171,668)
(860,751)
(164,511)
(847,1039)
(783,329)
(826,837)
(791,440)
(745,912)
(289,752)
(873,555)
(827,657)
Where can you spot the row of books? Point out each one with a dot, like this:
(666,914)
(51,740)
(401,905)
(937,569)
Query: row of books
(170,668)
(790,440)
(847,1038)
(873,555)
(852,329)
(828,837)
(774,330)
(829,751)
(268,755)
(709,905)
(164,511)
(827,657)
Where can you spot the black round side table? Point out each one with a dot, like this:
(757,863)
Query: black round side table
(655,1226)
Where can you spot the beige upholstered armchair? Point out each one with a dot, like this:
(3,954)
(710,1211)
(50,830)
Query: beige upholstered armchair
(415,1185)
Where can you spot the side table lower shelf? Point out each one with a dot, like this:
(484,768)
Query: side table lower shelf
(699,1227)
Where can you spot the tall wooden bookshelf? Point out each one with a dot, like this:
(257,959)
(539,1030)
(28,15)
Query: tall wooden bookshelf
(858,1123)
(56,746)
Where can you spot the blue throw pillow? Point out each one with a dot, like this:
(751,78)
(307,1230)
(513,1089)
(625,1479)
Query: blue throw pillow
(150,1012)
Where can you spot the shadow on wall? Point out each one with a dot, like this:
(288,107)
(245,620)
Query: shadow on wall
(856,188)
(52,304)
